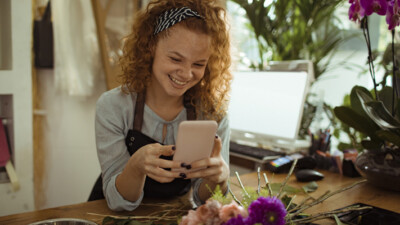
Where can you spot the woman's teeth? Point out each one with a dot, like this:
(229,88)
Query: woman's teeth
(177,81)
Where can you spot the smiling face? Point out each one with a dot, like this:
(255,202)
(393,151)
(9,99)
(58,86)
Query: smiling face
(180,61)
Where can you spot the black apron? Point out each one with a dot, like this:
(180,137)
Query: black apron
(134,140)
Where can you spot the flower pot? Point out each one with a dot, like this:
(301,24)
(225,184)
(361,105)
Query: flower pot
(380,168)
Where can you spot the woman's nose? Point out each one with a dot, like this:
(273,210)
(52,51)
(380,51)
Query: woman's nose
(185,72)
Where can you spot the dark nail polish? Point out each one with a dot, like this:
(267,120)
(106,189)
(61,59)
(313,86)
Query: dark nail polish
(182,175)
(173,148)
(189,167)
(216,136)
(184,165)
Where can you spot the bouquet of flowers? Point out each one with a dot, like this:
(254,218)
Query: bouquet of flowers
(269,204)
(263,210)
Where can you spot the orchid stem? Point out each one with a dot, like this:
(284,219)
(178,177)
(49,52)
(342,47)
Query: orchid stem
(258,177)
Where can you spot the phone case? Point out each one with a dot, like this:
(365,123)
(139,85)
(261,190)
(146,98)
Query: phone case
(195,141)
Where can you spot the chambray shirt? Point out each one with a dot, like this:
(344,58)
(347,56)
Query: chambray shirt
(114,117)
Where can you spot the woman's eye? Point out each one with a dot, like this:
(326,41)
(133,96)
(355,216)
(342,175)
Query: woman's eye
(175,59)
(199,64)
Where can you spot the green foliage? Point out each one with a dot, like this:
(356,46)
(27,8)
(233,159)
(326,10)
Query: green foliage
(371,117)
(294,29)
(249,194)
(219,196)
(310,187)
(275,187)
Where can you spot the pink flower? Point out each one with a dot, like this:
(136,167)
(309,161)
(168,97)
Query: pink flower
(231,211)
(374,6)
(393,14)
(208,213)
(190,219)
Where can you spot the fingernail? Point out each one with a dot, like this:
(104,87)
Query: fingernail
(189,167)
(173,148)
(182,175)
(216,136)
(184,165)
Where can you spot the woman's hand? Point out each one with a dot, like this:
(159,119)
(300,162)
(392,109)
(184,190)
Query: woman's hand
(147,162)
(216,170)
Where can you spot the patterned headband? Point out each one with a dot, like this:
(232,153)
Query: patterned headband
(173,16)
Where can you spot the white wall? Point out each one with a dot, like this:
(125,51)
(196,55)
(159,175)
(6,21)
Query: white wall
(71,158)
(338,81)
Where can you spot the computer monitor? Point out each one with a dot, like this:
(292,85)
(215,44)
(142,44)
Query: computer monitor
(266,107)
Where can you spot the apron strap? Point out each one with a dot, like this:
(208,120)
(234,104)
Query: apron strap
(139,110)
(190,109)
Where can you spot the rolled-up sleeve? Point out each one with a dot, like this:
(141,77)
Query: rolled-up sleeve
(111,125)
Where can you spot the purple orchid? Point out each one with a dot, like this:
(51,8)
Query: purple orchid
(393,14)
(374,6)
(356,12)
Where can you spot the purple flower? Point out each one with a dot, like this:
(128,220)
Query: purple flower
(356,12)
(236,221)
(393,14)
(377,6)
(267,211)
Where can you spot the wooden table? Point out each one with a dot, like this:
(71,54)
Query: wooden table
(363,193)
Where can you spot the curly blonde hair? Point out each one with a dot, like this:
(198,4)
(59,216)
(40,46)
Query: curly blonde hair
(210,95)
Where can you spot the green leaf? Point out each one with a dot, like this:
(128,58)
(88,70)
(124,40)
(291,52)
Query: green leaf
(275,187)
(355,120)
(219,196)
(386,96)
(355,102)
(372,145)
(389,136)
(376,111)
(286,200)
(310,187)
(380,115)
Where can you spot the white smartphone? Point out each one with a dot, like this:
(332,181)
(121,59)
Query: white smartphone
(195,141)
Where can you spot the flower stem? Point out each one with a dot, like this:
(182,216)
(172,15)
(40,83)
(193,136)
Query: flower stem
(325,196)
(267,184)
(258,178)
(394,77)
(328,214)
(241,184)
(234,198)
(370,57)
(287,178)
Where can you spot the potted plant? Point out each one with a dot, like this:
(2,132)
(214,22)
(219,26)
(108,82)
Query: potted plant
(376,113)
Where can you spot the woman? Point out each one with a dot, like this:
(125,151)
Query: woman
(175,68)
